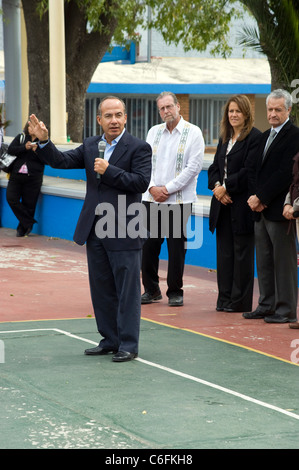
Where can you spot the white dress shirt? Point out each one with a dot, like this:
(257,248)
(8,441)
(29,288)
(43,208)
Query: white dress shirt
(164,173)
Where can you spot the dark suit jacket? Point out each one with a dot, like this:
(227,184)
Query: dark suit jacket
(34,165)
(236,182)
(272,176)
(128,175)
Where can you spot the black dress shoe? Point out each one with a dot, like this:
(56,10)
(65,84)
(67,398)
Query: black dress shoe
(256,314)
(20,231)
(219,309)
(124,356)
(276,319)
(176,301)
(148,298)
(98,351)
(28,230)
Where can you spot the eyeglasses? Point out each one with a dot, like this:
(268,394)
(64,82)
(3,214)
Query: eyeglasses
(166,108)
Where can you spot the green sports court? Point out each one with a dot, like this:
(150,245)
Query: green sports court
(203,379)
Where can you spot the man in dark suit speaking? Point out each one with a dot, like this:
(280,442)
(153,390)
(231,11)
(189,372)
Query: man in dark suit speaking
(275,237)
(115,184)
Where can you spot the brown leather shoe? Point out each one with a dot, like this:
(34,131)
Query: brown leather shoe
(294,325)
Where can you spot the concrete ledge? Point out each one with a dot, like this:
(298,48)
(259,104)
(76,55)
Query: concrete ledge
(54,186)
(201,208)
(79,174)
(74,189)
(64,187)
(60,204)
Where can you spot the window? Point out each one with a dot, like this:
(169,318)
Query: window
(143,113)
(207,114)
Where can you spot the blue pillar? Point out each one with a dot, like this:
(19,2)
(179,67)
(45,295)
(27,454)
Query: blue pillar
(13,68)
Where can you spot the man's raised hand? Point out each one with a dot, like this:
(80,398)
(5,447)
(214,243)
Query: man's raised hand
(38,128)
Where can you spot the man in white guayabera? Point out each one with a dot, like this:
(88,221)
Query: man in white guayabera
(178,151)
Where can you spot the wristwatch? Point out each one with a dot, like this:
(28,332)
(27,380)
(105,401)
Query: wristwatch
(44,141)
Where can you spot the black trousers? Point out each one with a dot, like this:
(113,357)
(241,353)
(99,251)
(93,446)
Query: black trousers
(235,265)
(165,221)
(22,196)
(114,278)
(276,261)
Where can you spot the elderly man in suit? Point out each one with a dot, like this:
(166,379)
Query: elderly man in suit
(275,237)
(115,184)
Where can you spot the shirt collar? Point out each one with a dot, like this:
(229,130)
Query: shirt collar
(278,128)
(179,127)
(116,140)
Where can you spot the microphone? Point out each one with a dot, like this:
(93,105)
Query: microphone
(101,149)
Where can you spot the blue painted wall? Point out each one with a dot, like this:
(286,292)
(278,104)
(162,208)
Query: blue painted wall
(67,174)
(202,182)
(57,217)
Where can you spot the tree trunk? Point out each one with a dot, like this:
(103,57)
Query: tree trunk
(84,51)
(38,61)
(277,82)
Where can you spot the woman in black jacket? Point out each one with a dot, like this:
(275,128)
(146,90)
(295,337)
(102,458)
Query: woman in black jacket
(230,214)
(25,180)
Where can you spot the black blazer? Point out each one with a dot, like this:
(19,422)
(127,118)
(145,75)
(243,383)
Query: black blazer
(34,165)
(127,175)
(271,176)
(236,182)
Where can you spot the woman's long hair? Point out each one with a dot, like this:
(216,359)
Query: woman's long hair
(25,130)
(244,105)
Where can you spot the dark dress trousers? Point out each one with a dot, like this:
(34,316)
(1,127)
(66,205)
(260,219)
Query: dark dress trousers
(234,224)
(275,237)
(114,261)
(23,189)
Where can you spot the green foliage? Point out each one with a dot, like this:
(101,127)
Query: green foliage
(277,36)
(3,124)
(195,23)
(200,23)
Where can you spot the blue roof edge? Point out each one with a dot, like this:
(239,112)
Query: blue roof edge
(200,89)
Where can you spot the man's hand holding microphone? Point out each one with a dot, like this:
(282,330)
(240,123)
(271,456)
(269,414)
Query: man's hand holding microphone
(100,165)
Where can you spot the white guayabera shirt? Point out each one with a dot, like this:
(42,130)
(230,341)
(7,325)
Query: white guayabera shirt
(177,160)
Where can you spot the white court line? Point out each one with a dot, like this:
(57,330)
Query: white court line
(175,372)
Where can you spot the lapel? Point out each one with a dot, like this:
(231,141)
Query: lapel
(236,148)
(277,139)
(120,149)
